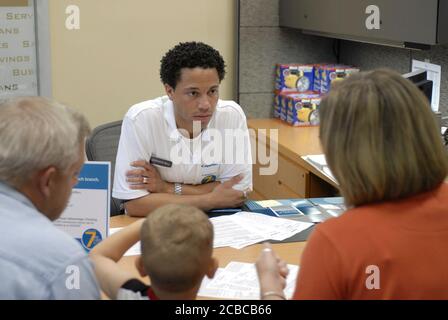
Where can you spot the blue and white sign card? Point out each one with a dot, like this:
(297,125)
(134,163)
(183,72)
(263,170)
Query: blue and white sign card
(86,217)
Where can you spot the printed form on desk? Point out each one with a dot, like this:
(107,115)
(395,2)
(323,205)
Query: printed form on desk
(239,280)
(134,250)
(243,229)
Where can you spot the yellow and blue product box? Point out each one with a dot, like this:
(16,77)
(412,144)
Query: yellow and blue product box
(317,78)
(294,77)
(301,109)
(284,105)
(279,104)
(278,100)
(317,75)
(331,74)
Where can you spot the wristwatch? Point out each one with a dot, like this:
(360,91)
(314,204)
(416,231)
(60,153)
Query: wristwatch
(177,188)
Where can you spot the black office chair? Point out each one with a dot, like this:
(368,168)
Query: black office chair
(445,137)
(102,145)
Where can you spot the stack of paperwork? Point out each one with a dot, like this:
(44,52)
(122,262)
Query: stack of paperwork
(243,229)
(239,281)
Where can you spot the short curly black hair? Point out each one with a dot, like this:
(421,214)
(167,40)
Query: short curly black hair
(190,55)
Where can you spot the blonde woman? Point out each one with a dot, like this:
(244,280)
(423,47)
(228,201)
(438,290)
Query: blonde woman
(382,144)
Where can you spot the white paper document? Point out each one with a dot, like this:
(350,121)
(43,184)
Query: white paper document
(239,280)
(229,233)
(135,250)
(320,163)
(243,229)
(318,160)
(246,228)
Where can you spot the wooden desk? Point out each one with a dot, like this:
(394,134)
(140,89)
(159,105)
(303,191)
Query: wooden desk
(295,178)
(290,252)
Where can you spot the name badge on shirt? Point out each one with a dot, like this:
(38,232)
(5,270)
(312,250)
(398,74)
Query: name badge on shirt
(209,172)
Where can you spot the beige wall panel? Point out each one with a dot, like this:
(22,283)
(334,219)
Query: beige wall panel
(112,62)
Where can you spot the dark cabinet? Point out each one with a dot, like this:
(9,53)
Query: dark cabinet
(408,23)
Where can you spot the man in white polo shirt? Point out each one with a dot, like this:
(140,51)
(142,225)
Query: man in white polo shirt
(205,138)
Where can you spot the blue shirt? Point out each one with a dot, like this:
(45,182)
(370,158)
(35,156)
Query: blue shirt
(37,260)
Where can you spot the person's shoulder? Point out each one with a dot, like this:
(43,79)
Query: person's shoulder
(39,253)
(442,191)
(133,289)
(46,250)
(57,243)
(20,282)
(229,108)
(353,222)
(374,216)
(37,233)
(147,109)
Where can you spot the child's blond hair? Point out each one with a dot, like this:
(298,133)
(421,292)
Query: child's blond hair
(177,246)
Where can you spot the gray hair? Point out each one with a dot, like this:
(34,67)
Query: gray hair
(36,133)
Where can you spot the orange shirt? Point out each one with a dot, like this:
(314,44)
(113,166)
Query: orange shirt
(392,250)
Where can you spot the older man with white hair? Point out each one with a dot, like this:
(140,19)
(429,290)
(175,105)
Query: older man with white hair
(41,154)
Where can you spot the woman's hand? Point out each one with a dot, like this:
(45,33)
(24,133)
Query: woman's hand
(272,273)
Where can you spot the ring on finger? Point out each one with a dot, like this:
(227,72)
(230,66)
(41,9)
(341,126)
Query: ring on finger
(145,179)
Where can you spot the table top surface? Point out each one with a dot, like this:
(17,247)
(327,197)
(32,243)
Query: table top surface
(293,142)
(298,141)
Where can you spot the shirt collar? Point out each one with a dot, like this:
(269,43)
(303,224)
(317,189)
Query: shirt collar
(151,294)
(174,134)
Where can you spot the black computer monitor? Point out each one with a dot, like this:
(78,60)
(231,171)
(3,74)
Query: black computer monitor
(420,79)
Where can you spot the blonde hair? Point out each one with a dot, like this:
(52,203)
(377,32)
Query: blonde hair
(380,138)
(36,133)
(177,246)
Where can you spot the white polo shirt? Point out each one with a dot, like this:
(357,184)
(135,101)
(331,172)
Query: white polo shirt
(149,128)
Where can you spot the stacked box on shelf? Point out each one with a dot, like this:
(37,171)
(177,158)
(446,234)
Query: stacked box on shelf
(302,108)
(291,79)
(333,73)
(318,76)
(277,104)
(294,77)
(282,105)
(299,88)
